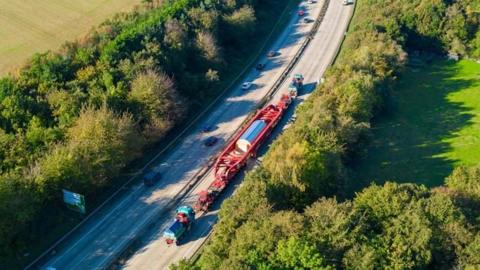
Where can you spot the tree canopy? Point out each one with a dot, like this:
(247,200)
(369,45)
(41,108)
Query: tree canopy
(74,118)
(295,201)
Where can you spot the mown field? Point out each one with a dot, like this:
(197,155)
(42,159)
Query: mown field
(432,126)
(30,26)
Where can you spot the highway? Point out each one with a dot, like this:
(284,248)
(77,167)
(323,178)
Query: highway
(100,240)
(151,252)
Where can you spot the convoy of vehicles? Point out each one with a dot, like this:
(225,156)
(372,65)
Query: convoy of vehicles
(233,158)
(243,146)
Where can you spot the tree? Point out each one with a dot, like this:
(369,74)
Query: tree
(207,44)
(299,254)
(98,145)
(474,46)
(333,227)
(175,34)
(250,204)
(465,180)
(469,258)
(38,136)
(309,169)
(157,102)
(204,20)
(212,75)
(239,25)
(19,206)
(15,106)
(65,106)
(407,240)
(430,17)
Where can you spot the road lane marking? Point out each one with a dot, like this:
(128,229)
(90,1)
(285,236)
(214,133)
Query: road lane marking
(109,214)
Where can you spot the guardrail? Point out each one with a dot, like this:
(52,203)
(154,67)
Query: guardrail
(337,52)
(173,142)
(202,173)
(274,89)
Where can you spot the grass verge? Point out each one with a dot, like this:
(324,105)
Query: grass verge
(432,124)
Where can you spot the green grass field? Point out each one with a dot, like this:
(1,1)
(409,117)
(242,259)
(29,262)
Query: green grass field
(29,26)
(431,126)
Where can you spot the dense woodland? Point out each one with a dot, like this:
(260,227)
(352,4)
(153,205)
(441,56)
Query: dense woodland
(292,213)
(75,118)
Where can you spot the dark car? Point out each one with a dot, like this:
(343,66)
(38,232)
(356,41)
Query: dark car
(150,178)
(307,20)
(207,128)
(260,66)
(211,141)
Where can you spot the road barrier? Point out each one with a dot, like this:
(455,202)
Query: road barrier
(202,173)
(52,249)
(276,86)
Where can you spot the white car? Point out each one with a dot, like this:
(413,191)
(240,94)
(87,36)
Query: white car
(312,1)
(347,2)
(246,85)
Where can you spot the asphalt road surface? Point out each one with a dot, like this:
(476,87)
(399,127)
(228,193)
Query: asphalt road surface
(152,252)
(99,241)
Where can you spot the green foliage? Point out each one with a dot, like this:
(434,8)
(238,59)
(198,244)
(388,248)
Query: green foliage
(299,254)
(239,26)
(384,227)
(74,118)
(391,227)
(466,180)
(250,203)
(475,45)
(157,100)
(98,145)
(469,258)
(15,193)
(427,127)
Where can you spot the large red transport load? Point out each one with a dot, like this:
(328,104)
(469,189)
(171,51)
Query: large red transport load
(243,145)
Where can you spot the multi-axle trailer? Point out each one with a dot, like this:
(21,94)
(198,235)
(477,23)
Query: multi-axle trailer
(234,157)
(243,146)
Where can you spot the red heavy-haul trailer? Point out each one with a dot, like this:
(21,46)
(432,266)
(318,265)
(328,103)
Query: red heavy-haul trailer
(243,145)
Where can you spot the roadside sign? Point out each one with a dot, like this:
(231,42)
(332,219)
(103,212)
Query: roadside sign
(74,201)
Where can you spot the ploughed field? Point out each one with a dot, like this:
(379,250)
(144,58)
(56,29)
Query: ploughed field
(430,126)
(29,26)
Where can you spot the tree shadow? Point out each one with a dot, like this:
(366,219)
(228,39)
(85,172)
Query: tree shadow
(199,230)
(409,138)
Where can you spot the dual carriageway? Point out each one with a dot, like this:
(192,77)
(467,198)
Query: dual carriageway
(127,231)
